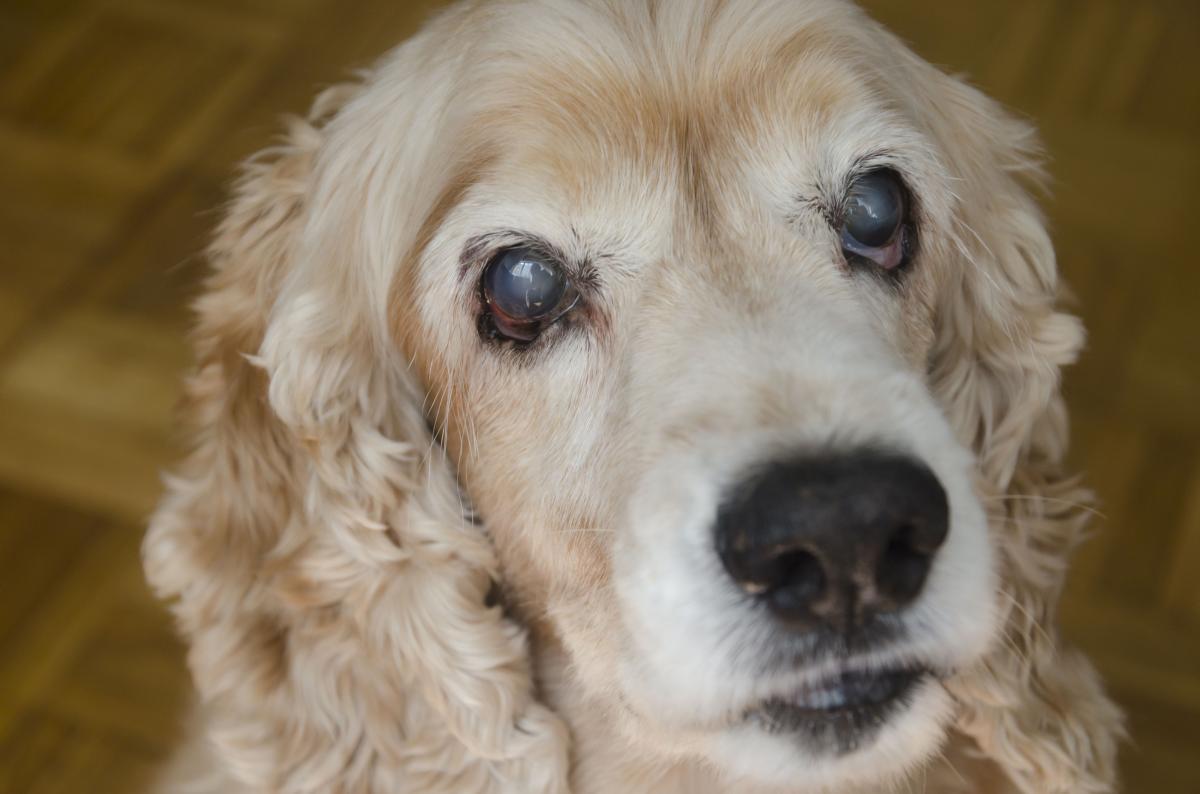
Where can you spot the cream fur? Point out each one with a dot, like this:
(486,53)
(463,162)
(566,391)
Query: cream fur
(329,557)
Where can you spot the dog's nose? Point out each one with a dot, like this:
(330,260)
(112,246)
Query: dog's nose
(832,540)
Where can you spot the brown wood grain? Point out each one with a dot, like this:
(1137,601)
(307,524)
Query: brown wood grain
(120,123)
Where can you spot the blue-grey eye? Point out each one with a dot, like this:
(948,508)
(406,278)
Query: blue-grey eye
(873,221)
(525,290)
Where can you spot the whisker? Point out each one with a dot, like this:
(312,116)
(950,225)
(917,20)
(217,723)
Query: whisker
(1037,624)
(1017,650)
(573,530)
(941,754)
(1048,500)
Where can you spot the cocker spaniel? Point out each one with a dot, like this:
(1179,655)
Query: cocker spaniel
(634,396)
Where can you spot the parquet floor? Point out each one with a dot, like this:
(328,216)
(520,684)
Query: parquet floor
(120,122)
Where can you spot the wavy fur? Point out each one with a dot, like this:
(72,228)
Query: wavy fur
(333,584)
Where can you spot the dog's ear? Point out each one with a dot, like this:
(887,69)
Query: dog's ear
(319,557)
(1035,706)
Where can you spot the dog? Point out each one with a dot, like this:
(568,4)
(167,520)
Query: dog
(634,396)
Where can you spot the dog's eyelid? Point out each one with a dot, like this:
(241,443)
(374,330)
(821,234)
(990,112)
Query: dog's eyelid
(481,249)
(524,290)
(874,215)
(828,195)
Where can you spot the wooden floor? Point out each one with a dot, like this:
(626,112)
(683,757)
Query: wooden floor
(120,121)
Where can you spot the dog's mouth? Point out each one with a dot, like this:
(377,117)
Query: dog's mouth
(838,713)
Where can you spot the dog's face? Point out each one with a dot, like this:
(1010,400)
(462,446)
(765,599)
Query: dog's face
(673,304)
(725,319)
(673,287)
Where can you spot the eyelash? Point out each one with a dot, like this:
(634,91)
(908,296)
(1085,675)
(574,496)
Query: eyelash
(515,325)
(834,211)
(485,252)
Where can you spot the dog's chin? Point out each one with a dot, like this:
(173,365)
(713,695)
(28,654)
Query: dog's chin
(851,729)
(842,712)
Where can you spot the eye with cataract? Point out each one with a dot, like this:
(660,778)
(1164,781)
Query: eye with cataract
(875,226)
(525,292)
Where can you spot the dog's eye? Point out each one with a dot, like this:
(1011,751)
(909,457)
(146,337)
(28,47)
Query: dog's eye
(525,292)
(874,221)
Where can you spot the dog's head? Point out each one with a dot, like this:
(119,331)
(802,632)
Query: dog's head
(729,323)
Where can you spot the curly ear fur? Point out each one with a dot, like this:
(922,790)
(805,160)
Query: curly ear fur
(323,568)
(333,589)
(1034,706)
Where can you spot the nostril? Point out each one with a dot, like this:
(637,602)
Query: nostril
(833,539)
(903,567)
(798,581)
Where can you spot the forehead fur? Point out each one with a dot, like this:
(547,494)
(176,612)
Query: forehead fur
(660,126)
(665,77)
(671,104)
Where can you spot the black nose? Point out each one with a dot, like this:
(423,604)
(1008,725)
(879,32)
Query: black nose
(833,540)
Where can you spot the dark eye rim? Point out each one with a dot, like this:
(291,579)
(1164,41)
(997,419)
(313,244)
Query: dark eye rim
(904,238)
(498,326)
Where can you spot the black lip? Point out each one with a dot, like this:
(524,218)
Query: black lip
(862,706)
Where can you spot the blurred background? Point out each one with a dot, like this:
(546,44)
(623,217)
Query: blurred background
(121,122)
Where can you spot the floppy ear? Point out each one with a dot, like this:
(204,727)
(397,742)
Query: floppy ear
(1034,706)
(321,562)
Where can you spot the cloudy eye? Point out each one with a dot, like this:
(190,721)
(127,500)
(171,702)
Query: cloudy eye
(525,291)
(875,220)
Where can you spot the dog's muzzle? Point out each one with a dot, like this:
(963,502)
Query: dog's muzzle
(834,546)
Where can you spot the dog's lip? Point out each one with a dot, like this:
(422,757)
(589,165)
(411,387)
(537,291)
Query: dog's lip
(861,696)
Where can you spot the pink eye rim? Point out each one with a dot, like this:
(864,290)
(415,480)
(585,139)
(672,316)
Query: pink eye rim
(875,221)
(889,257)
